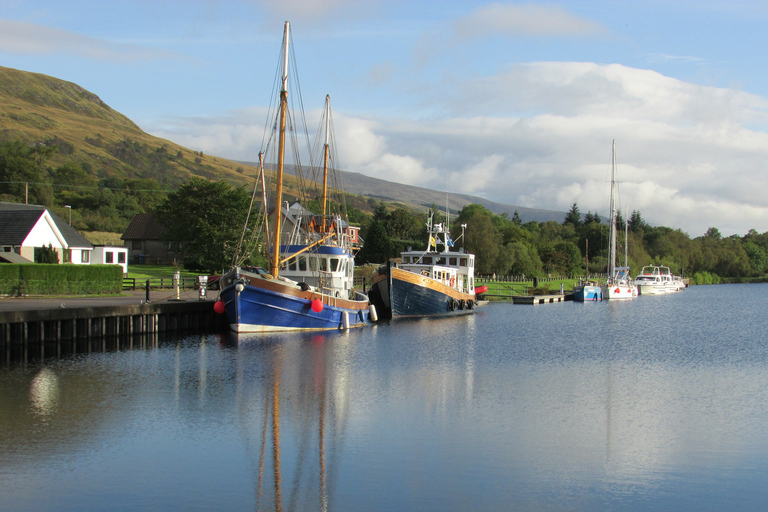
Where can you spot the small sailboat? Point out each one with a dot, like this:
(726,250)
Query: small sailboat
(309,284)
(619,284)
(587,289)
(427,283)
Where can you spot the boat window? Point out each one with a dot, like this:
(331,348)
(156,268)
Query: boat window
(427,260)
(313,263)
(441,261)
(463,262)
(303,263)
(406,259)
(292,264)
(324,264)
(452,261)
(334,264)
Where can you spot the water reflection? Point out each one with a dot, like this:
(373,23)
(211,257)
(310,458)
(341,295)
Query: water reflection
(44,392)
(557,407)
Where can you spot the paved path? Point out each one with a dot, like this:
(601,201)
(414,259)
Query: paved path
(126,298)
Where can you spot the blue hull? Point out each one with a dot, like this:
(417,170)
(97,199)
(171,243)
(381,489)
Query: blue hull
(256,309)
(587,293)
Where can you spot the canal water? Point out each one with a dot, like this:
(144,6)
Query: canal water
(660,403)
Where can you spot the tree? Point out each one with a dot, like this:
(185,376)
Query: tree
(377,245)
(713,233)
(516,219)
(590,217)
(207,218)
(21,172)
(636,222)
(482,239)
(573,216)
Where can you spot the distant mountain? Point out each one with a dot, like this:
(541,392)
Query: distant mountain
(40,109)
(388,191)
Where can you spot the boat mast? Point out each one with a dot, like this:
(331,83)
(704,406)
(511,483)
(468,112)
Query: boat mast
(626,240)
(612,240)
(326,150)
(281,155)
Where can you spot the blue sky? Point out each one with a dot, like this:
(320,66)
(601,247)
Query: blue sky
(517,102)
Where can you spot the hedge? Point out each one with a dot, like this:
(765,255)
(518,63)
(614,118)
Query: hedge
(65,279)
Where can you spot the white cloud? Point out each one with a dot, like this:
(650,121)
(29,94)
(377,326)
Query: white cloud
(25,38)
(530,19)
(686,156)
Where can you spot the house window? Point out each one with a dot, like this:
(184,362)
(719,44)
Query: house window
(85,256)
(121,257)
(109,257)
(67,254)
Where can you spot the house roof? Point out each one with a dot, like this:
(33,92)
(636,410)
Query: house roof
(15,225)
(17,220)
(144,226)
(12,257)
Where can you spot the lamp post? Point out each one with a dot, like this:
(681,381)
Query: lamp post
(70,213)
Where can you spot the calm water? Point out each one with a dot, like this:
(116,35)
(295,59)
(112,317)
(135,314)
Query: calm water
(656,404)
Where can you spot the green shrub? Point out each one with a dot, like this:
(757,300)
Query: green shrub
(53,279)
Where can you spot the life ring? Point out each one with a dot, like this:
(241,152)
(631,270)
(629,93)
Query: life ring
(452,281)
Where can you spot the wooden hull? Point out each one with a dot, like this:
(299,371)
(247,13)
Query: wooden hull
(399,293)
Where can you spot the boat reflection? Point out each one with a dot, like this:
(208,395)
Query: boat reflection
(293,405)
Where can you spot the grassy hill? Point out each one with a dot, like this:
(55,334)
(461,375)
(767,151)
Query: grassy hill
(42,110)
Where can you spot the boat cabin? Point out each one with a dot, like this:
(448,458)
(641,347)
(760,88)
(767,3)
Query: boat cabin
(454,269)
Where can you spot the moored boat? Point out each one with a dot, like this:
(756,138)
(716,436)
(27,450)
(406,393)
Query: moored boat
(619,284)
(427,283)
(587,291)
(309,284)
(658,280)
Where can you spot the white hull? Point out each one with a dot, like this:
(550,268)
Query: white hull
(619,292)
(653,289)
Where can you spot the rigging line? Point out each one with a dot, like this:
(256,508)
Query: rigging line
(236,256)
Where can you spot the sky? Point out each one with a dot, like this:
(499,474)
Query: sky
(515,102)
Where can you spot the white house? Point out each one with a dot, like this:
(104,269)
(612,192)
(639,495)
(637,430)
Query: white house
(25,229)
(110,255)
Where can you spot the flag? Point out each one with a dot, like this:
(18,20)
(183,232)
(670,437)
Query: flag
(432,242)
(449,241)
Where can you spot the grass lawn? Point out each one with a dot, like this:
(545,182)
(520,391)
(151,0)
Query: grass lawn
(157,271)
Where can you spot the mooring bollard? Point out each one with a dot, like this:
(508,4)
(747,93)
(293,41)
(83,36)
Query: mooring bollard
(203,282)
(176,279)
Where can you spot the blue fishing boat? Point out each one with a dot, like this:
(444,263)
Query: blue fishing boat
(309,283)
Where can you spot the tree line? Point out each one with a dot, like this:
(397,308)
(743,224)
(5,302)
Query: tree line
(576,246)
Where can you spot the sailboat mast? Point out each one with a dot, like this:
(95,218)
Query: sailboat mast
(612,241)
(326,150)
(626,238)
(280,156)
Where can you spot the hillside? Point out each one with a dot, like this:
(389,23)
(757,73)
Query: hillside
(40,109)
